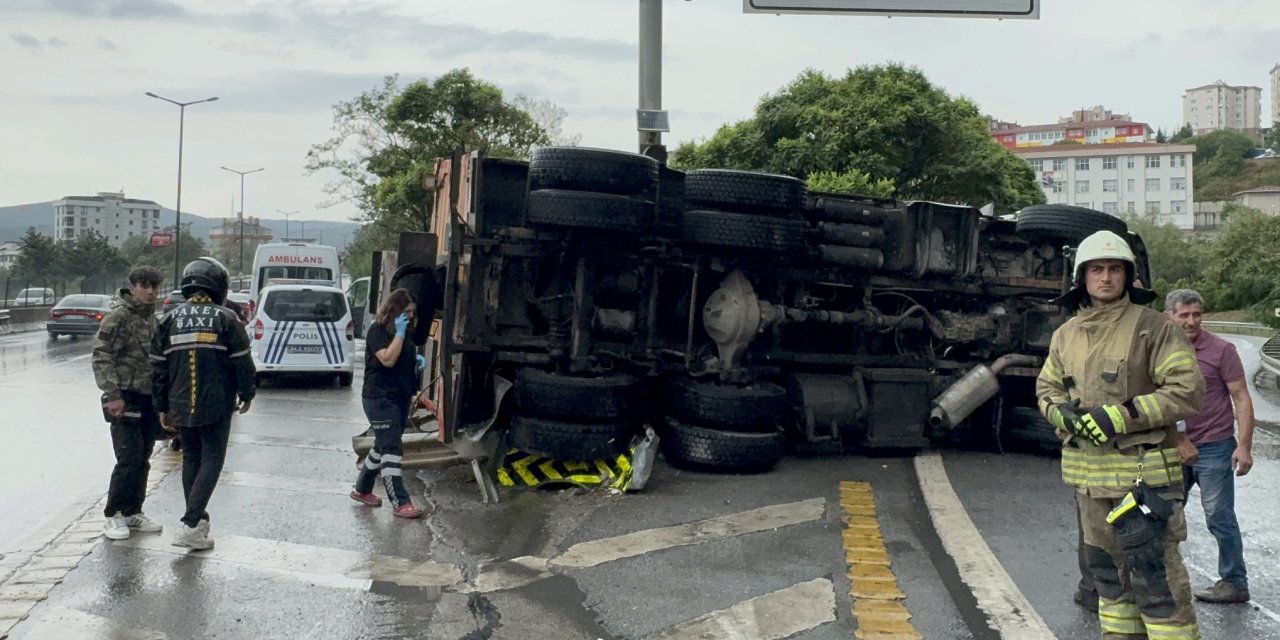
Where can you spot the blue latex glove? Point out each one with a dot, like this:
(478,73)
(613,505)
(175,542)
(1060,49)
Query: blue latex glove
(422,362)
(402,324)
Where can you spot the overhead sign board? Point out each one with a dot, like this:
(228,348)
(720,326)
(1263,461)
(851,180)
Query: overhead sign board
(1014,9)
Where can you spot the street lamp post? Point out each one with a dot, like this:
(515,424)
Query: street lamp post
(242,174)
(286,215)
(177,220)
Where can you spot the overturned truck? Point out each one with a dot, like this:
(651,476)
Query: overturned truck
(735,312)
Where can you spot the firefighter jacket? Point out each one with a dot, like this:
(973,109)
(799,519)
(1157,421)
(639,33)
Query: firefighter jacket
(122,347)
(200,364)
(1111,354)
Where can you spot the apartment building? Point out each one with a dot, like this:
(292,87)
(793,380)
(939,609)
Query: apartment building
(1218,106)
(112,215)
(1097,125)
(1120,179)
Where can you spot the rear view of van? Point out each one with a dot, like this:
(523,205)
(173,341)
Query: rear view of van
(303,329)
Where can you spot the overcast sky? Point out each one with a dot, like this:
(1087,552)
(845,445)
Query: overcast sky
(73,117)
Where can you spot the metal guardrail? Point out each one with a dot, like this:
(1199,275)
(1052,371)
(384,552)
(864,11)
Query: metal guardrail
(1238,328)
(5,326)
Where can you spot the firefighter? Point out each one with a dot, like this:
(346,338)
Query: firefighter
(200,369)
(1118,378)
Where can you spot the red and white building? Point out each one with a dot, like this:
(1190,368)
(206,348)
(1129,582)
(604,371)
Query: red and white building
(1114,131)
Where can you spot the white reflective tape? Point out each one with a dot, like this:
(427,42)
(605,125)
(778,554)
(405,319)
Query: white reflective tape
(391,472)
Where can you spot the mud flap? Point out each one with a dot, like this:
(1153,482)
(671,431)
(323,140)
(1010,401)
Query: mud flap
(627,471)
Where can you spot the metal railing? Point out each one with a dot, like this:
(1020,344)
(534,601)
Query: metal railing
(1238,328)
(5,327)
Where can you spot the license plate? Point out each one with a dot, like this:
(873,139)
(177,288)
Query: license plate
(304,348)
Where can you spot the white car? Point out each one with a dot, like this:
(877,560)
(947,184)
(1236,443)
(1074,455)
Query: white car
(35,297)
(303,328)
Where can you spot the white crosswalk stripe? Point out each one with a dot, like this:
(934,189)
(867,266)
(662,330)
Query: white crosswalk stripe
(772,616)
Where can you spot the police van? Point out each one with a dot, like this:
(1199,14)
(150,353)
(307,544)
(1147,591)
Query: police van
(292,262)
(303,328)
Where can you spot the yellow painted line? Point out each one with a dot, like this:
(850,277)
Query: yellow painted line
(877,600)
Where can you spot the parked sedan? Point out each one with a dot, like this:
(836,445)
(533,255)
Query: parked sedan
(173,299)
(78,315)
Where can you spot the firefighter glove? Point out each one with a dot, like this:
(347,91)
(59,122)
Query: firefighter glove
(402,324)
(1065,416)
(1101,424)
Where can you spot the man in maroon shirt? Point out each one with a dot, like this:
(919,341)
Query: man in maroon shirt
(1211,455)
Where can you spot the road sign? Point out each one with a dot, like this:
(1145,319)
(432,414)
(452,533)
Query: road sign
(1021,9)
(161,239)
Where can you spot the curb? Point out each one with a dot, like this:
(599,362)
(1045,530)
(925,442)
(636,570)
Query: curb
(27,577)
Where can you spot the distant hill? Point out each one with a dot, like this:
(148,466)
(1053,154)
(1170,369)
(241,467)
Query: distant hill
(15,220)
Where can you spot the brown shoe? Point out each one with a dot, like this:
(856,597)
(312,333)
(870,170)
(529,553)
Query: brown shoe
(1223,592)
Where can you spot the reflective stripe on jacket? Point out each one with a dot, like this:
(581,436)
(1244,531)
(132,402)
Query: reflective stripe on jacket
(1114,353)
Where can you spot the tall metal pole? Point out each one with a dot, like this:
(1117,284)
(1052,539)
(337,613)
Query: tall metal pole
(177,220)
(650,66)
(240,220)
(286,215)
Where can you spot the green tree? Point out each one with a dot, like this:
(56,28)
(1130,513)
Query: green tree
(1161,136)
(888,122)
(387,138)
(851,182)
(91,259)
(358,255)
(1182,135)
(38,263)
(1273,137)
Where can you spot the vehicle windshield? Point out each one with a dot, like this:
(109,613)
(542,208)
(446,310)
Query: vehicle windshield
(83,302)
(304,306)
(267,274)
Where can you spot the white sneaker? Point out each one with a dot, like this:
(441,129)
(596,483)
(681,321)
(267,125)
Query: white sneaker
(116,527)
(144,523)
(192,538)
(203,526)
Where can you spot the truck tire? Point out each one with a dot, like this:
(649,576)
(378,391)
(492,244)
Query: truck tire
(1064,222)
(1025,427)
(589,210)
(550,395)
(743,231)
(744,191)
(700,447)
(599,170)
(759,407)
(560,440)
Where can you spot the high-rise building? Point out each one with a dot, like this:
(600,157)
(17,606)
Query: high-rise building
(112,215)
(1218,106)
(1121,179)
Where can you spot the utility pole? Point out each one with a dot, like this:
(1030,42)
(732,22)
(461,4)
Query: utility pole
(286,215)
(651,120)
(240,221)
(177,220)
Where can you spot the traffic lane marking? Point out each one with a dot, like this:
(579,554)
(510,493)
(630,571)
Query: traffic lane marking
(1008,611)
(322,565)
(873,586)
(772,616)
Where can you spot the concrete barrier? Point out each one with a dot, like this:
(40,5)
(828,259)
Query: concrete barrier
(22,319)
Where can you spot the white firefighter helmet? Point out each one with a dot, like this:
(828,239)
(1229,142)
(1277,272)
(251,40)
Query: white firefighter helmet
(1103,245)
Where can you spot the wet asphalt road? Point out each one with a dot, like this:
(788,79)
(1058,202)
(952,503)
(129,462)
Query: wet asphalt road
(297,559)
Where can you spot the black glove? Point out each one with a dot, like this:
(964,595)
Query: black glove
(1065,416)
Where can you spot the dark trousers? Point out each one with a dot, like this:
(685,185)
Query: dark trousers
(1086,586)
(204,449)
(133,438)
(387,419)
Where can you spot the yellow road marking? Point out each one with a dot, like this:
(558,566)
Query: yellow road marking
(877,600)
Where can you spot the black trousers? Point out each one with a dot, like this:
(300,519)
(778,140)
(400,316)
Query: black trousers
(387,419)
(204,449)
(133,438)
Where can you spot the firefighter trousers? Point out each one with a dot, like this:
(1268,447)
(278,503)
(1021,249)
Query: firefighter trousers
(1141,602)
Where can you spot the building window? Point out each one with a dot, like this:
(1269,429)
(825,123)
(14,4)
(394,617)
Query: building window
(1177,161)
(1128,162)
(1038,165)
(1130,207)
(1153,184)
(1153,161)
(1057,186)
(1179,207)
(1110,186)
(156,214)
(1153,206)
(97,221)
(1109,162)
(1082,186)
(1109,207)
(1082,164)
(1130,185)
(1059,165)
(131,223)
(1177,184)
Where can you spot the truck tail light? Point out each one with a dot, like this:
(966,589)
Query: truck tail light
(258,329)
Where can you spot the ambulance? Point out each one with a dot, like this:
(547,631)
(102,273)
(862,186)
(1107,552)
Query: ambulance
(303,329)
(292,263)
